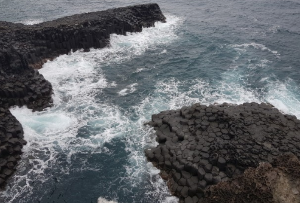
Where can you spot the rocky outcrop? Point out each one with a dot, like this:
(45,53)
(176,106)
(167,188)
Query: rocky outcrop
(24,48)
(11,143)
(201,146)
(268,183)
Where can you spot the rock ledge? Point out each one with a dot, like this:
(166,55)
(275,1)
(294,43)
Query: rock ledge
(24,48)
(201,148)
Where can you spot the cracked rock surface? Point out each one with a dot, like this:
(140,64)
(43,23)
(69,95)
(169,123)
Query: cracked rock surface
(202,146)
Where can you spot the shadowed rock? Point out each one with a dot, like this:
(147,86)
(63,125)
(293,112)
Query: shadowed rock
(200,146)
(24,48)
(11,143)
(277,182)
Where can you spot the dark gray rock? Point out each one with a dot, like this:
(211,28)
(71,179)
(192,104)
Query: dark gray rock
(188,200)
(219,142)
(184,191)
(25,48)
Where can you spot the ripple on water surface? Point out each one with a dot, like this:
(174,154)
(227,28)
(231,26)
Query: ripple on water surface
(86,148)
(81,137)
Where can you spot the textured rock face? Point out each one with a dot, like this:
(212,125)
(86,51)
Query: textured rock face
(11,143)
(267,183)
(200,146)
(24,48)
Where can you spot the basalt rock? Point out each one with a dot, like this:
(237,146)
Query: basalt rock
(202,147)
(276,182)
(25,48)
(11,143)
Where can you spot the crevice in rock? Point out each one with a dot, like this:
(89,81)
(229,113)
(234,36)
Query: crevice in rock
(202,146)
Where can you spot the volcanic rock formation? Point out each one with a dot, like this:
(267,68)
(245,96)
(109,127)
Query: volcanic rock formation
(201,146)
(11,143)
(24,48)
(276,182)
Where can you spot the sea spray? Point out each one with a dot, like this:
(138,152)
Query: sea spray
(78,124)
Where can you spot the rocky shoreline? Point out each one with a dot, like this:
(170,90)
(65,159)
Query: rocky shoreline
(25,48)
(217,153)
(11,143)
(228,153)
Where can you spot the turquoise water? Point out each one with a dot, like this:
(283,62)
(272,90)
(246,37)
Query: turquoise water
(90,144)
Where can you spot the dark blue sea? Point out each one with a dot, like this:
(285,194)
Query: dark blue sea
(88,147)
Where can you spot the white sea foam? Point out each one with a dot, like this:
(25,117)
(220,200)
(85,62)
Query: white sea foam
(41,122)
(128,90)
(77,79)
(164,51)
(102,200)
(171,94)
(171,200)
(274,28)
(32,21)
(138,70)
(254,45)
(233,88)
(284,96)
(175,94)
(133,44)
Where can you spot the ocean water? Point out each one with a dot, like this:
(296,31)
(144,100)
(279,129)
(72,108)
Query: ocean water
(89,146)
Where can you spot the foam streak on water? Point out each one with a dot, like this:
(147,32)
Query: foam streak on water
(84,124)
(255,46)
(284,96)
(32,21)
(79,121)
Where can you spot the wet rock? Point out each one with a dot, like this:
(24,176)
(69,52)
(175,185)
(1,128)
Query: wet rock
(276,182)
(188,200)
(184,191)
(24,48)
(10,149)
(217,143)
(208,177)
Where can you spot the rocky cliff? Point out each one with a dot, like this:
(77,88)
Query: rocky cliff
(209,153)
(25,48)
